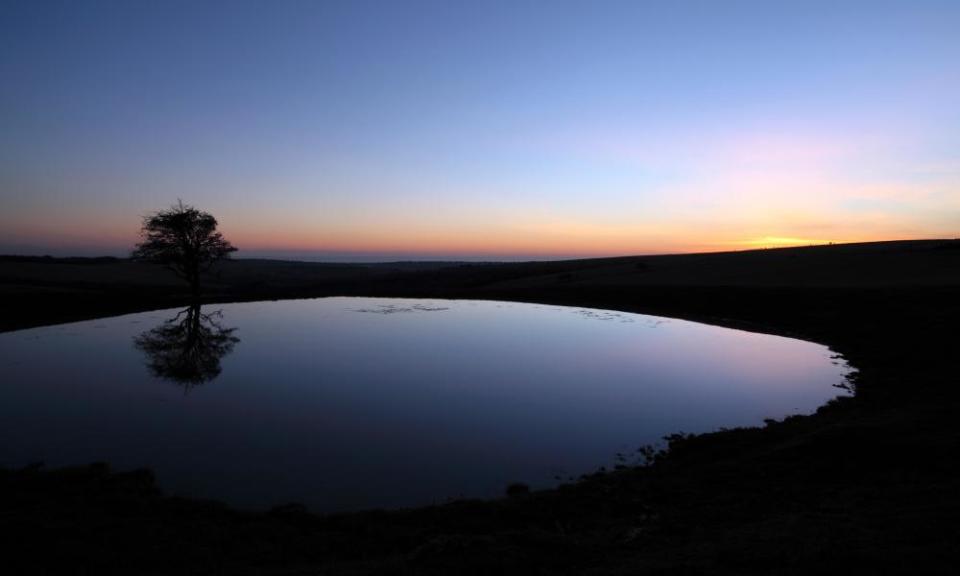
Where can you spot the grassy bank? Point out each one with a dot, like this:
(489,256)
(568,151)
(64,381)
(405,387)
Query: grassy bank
(866,485)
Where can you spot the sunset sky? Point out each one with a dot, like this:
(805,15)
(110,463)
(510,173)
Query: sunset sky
(493,130)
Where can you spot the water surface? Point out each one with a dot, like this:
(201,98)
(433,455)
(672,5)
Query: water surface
(352,403)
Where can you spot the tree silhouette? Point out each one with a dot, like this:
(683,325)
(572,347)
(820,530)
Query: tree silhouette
(183,239)
(188,347)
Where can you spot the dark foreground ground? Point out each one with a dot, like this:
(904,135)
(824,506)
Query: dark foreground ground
(868,485)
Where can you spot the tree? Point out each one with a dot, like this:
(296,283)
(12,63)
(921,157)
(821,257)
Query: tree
(183,239)
(187,348)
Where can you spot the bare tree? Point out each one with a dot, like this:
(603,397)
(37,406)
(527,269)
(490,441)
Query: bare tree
(184,240)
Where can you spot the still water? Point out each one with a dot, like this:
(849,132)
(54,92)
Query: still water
(355,403)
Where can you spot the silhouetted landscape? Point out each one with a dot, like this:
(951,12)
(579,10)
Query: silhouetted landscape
(566,287)
(867,484)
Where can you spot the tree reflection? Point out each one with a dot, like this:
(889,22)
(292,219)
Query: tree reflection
(187,348)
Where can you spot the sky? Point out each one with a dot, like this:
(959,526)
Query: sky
(479,130)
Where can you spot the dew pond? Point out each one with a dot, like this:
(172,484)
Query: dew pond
(357,403)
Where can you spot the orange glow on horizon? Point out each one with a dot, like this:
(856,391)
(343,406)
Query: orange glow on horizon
(781,241)
(519,245)
(488,234)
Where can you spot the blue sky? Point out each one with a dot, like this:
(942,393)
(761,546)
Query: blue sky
(480,129)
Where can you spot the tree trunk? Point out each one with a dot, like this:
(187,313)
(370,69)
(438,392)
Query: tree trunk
(195,282)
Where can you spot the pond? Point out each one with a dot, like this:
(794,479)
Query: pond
(357,403)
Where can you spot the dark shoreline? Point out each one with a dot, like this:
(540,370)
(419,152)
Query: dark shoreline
(868,484)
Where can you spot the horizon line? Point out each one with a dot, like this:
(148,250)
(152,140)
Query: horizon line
(399,258)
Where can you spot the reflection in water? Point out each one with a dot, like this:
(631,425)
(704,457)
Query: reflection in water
(406,403)
(188,347)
